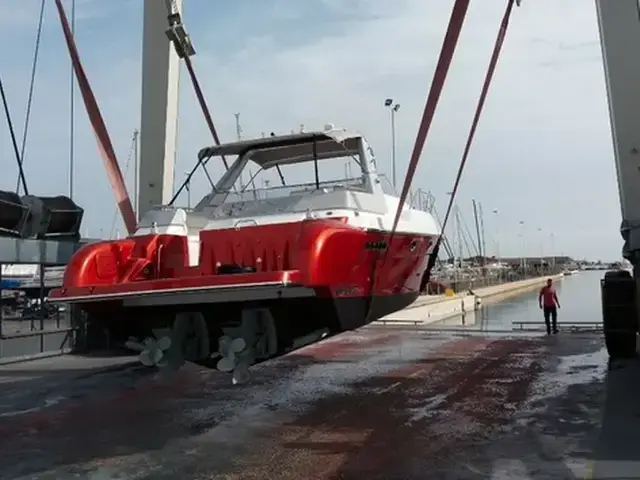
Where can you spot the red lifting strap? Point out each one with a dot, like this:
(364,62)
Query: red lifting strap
(495,55)
(203,105)
(99,128)
(449,45)
(442,68)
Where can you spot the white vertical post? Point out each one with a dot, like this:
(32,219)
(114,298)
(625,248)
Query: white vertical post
(159,116)
(136,170)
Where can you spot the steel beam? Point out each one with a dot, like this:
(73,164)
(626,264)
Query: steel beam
(28,251)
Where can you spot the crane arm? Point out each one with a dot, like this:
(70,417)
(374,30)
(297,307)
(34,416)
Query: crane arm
(180,39)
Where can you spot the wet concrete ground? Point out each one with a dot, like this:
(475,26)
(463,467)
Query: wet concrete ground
(382,403)
(446,402)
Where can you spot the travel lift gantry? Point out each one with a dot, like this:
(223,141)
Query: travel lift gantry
(165,44)
(619,22)
(255,338)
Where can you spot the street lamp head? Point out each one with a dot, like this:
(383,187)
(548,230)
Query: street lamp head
(396,107)
(388,102)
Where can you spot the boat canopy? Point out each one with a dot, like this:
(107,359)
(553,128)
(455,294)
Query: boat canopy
(299,147)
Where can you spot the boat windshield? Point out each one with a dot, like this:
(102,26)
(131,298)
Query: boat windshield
(283,179)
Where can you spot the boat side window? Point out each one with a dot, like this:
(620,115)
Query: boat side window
(387,186)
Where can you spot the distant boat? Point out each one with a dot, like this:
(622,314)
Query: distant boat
(18,273)
(15,276)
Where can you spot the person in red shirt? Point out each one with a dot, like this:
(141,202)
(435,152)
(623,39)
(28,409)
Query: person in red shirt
(549,303)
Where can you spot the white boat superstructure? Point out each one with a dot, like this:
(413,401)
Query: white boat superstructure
(287,265)
(365,200)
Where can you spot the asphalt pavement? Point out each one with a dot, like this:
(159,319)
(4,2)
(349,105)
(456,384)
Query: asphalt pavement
(380,403)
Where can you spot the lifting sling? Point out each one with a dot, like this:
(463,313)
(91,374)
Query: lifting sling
(99,128)
(449,45)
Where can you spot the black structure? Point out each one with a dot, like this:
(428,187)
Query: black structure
(13,214)
(619,313)
(42,231)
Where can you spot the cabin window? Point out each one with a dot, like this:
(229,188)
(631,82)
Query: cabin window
(387,186)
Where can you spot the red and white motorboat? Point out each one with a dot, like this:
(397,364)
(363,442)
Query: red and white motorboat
(251,273)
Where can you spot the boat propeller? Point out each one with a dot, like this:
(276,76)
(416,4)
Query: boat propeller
(169,349)
(235,357)
(154,352)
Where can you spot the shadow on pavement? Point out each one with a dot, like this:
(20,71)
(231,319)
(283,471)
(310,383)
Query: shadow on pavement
(617,451)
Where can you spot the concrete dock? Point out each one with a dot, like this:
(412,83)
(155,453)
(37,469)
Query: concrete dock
(435,308)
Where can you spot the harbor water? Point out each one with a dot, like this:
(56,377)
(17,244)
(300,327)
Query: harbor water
(579,296)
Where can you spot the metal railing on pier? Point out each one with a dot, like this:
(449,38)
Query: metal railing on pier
(571,327)
(477,277)
(524,327)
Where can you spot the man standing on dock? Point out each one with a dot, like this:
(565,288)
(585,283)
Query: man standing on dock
(549,303)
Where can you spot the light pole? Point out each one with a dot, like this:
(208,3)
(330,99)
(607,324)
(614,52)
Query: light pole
(522,246)
(136,172)
(393,108)
(541,248)
(553,251)
(497,241)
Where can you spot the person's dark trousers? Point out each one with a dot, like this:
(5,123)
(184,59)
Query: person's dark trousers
(551,319)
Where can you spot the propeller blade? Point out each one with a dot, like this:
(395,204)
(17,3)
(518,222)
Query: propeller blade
(133,345)
(226,364)
(164,343)
(223,345)
(238,345)
(156,355)
(145,358)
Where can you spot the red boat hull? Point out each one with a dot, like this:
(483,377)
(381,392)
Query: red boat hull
(318,271)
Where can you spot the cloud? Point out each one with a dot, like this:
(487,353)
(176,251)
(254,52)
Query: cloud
(286,63)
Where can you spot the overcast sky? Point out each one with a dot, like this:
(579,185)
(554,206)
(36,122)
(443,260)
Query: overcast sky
(543,152)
